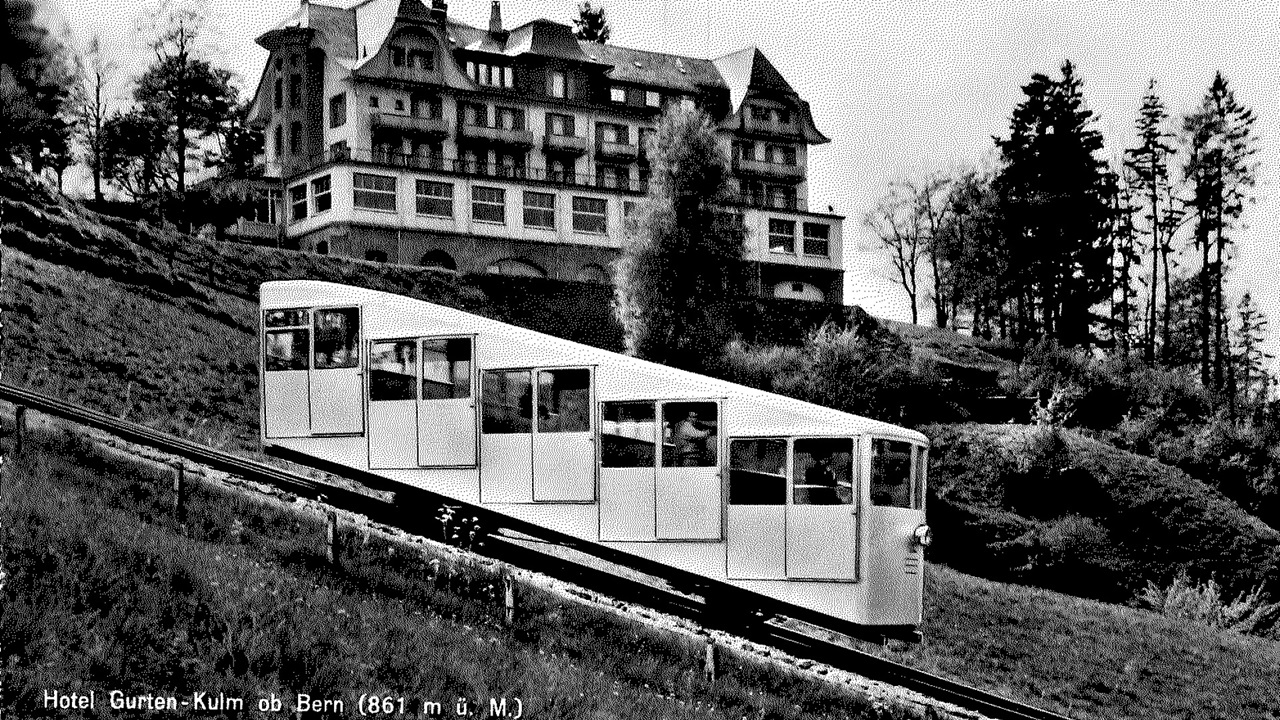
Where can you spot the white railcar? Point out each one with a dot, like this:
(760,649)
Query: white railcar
(808,505)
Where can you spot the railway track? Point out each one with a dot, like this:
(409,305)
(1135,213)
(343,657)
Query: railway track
(749,618)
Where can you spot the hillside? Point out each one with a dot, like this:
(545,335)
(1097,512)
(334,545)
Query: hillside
(1081,516)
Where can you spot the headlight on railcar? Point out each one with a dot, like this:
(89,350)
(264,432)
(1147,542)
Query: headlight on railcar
(923,536)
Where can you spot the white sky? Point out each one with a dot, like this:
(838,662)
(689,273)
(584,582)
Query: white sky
(901,89)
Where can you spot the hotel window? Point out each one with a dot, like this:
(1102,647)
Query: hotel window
(427,107)
(279,94)
(399,104)
(279,63)
(492,75)
(298,200)
(277,142)
(688,104)
(589,215)
(338,110)
(646,134)
(510,118)
(422,59)
(539,210)
(489,204)
(265,208)
(782,116)
(561,171)
(561,125)
(782,236)
(435,198)
(373,192)
(476,115)
(781,196)
(339,151)
(295,90)
(782,155)
(511,164)
(320,195)
(295,137)
(652,98)
(612,133)
(613,176)
(558,87)
(628,208)
(397,56)
(618,94)
(747,150)
(816,240)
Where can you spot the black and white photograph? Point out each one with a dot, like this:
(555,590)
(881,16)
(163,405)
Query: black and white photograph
(639,360)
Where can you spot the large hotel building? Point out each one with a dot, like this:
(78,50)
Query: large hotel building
(397,134)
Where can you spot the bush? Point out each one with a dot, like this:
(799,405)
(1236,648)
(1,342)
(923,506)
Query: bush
(1204,603)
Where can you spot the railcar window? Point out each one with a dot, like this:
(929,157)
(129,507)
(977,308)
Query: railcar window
(564,401)
(287,318)
(891,473)
(758,472)
(824,471)
(690,434)
(508,401)
(287,349)
(446,369)
(628,433)
(917,484)
(337,333)
(392,371)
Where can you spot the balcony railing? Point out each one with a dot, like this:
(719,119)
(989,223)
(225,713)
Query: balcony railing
(744,166)
(760,126)
(410,123)
(770,202)
(565,143)
(616,150)
(506,136)
(475,168)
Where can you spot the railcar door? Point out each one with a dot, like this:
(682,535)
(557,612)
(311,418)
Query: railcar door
(506,436)
(628,470)
(393,404)
(564,451)
(688,489)
(757,513)
(336,382)
(822,513)
(286,363)
(895,563)
(446,418)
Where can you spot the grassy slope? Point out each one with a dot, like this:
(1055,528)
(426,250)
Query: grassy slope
(1000,517)
(106,592)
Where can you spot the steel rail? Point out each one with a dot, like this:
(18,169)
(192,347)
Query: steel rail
(710,612)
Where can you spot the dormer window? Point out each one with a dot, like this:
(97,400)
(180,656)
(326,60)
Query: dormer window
(397,56)
(618,94)
(422,60)
(492,75)
(557,85)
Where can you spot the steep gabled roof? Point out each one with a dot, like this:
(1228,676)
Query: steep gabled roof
(335,24)
(654,68)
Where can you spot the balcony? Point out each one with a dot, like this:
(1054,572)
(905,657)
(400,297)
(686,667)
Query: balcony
(769,202)
(770,128)
(571,144)
(773,171)
(433,126)
(616,151)
(499,135)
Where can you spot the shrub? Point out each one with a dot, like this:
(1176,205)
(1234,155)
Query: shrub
(1204,603)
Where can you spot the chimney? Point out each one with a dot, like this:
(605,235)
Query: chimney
(495,18)
(439,12)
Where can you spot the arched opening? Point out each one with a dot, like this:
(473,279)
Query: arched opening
(593,274)
(438,259)
(375,255)
(796,290)
(513,266)
(322,247)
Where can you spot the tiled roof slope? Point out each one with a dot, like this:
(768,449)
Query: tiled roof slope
(654,68)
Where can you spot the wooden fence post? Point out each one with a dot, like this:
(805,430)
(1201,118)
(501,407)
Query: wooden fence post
(711,663)
(19,429)
(332,551)
(179,492)
(508,598)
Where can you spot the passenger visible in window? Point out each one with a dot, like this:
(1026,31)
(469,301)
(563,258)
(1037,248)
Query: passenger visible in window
(690,441)
(825,488)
